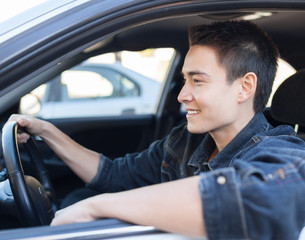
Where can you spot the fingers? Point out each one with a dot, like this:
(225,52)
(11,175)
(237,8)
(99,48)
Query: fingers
(60,217)
(24,122)
(79,212)
(22,137)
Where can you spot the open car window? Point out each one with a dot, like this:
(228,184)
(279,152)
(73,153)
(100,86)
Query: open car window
(111,84)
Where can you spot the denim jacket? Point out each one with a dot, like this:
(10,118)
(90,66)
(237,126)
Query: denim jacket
(253,189)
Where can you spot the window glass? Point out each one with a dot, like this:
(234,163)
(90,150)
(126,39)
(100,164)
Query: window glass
(30,104)
(105,85)
(94,85)
(128,88)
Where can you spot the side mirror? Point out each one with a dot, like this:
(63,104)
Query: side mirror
(30,104)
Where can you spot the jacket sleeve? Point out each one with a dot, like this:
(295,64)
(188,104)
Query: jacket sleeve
(136,169)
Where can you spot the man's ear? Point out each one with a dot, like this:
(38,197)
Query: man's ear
(248,85)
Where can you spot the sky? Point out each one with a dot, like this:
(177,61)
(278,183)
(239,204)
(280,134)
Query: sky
(9,8)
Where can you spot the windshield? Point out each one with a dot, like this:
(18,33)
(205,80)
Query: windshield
(12,8)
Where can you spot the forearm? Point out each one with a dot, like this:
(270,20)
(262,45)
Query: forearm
(173,207)
(81,160)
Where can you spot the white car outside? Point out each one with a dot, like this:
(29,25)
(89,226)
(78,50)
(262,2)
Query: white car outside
(94,90)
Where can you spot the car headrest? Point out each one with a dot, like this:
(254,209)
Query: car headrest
(288,103)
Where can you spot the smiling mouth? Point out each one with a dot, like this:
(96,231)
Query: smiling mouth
(192,113)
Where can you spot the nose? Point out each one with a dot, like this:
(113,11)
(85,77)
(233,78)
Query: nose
(185,94)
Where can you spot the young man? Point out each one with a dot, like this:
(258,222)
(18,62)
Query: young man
(237,176)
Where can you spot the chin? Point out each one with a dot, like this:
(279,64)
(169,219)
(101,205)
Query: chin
(195,130)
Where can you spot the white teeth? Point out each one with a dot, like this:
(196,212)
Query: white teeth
(193,112)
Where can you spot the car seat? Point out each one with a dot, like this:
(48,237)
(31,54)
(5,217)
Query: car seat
(288,102)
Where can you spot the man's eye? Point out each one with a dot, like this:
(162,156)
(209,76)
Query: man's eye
(196,81)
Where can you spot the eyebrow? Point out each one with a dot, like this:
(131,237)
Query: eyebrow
(192,73)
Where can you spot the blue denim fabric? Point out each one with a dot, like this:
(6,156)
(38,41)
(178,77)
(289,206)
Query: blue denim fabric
(253,189)
(261,195)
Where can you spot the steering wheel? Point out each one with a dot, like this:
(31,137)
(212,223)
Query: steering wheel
(36,202)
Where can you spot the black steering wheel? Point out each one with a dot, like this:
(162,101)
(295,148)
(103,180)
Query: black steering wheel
(36,202)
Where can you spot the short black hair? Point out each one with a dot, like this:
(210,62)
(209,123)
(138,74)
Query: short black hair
(242,47)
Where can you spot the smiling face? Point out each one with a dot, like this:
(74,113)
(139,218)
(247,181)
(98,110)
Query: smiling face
(210,100)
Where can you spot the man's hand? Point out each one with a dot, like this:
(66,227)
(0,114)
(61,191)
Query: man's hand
(79,212)
(81,160)
(32,125)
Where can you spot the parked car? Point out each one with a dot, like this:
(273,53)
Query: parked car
(93,90)
(43,42)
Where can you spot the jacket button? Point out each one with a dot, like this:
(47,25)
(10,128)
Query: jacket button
(221,180)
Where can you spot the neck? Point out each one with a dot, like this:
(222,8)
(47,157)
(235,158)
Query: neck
(226,134)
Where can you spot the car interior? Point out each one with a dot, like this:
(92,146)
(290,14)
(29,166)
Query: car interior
(118,135)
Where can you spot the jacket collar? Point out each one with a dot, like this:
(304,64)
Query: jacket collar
(201,155)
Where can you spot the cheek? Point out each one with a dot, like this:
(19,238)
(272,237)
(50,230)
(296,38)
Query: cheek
(227,103)
(203,100)
(207,99)
(219,101)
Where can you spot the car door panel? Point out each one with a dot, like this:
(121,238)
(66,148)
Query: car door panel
(107,134)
